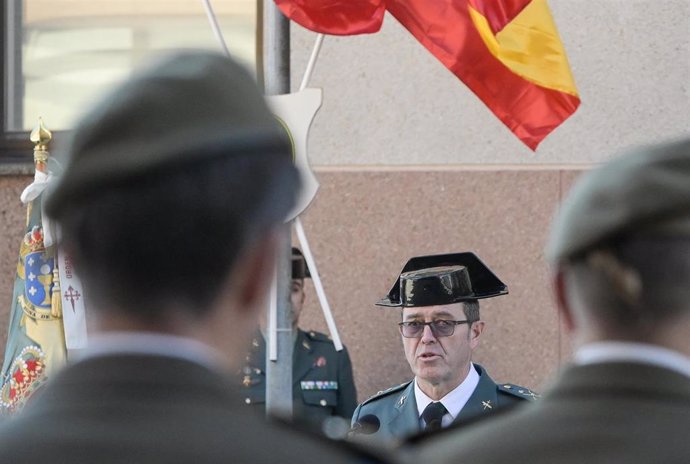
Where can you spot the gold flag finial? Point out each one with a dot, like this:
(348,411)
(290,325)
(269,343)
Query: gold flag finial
(41,137)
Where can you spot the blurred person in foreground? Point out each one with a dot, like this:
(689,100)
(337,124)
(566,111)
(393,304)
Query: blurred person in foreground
(621,253)
(440,327)
(171,198)
(322,380)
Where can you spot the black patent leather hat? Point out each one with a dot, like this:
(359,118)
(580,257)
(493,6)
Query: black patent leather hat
(299,265)
(443,279)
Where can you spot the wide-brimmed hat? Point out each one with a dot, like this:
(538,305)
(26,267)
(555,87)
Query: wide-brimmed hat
(443,279)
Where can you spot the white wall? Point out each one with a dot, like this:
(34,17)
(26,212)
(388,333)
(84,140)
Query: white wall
(387,101)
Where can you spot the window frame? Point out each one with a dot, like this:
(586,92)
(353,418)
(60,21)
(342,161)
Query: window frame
(15,147)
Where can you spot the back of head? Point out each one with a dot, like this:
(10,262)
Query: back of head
(622,240)
(169,179)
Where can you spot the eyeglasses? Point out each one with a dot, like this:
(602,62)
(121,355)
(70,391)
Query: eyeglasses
(440,328)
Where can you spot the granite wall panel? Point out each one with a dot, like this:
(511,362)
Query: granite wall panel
(365,224)
(12,223)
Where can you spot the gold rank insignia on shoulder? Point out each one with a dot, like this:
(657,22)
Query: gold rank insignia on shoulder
(519,391)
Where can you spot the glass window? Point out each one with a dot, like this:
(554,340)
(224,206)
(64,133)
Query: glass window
(61,54)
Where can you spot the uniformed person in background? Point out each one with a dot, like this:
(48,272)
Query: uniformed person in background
(621,254)
(440,329)
(323,384)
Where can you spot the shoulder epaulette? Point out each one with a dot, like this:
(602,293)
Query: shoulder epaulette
(520,392)
(318,336)
(383,393)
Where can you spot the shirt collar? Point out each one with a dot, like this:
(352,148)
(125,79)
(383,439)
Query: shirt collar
(152,344)
(454,400)
(609,351)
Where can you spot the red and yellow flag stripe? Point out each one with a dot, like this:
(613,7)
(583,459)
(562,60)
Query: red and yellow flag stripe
(507,52)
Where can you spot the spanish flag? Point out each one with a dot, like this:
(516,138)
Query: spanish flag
(507,52)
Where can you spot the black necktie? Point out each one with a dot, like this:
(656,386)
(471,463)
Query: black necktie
(432,416)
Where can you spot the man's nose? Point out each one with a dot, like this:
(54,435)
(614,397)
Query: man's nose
(428,335)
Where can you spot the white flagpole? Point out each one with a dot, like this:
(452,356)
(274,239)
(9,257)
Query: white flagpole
(312,61)
(311,264)
(216,27)
(302,236)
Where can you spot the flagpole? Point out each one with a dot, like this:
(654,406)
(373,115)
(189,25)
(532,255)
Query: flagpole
(215,27)
(275,58)
(276,78)
(312,61)
(299,228)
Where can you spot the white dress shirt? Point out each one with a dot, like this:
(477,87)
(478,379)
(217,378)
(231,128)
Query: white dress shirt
(454,401)
(601,352)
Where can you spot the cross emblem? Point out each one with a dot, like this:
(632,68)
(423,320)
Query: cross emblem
(533,395)
(72,296)
(32,290)
(487,404)
(32,276)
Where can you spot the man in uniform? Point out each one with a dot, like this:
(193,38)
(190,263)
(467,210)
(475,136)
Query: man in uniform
(621,251)
(169,206)
(323,385)
(440,330)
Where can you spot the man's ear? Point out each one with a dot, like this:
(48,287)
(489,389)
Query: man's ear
(476,330)
(563,307)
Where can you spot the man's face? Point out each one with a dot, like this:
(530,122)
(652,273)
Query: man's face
(297,299)
(443,360)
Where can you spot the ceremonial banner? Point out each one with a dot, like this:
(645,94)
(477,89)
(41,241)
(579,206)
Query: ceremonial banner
(507,52)
(35,342)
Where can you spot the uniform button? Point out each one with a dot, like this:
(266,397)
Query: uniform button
(248,400)
(323,402)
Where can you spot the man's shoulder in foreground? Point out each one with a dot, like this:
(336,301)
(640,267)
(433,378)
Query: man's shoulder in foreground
(171,411)
(596,414)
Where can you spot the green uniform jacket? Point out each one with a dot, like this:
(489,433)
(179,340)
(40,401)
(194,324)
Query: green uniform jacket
(321,378)
(396,408)
(597,414)
(130,409)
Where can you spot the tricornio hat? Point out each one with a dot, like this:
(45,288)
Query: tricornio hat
(443,279)
(644,192)
(300,270)
(180,109)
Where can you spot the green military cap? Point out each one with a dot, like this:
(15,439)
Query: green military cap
(182,108)
(646,191)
